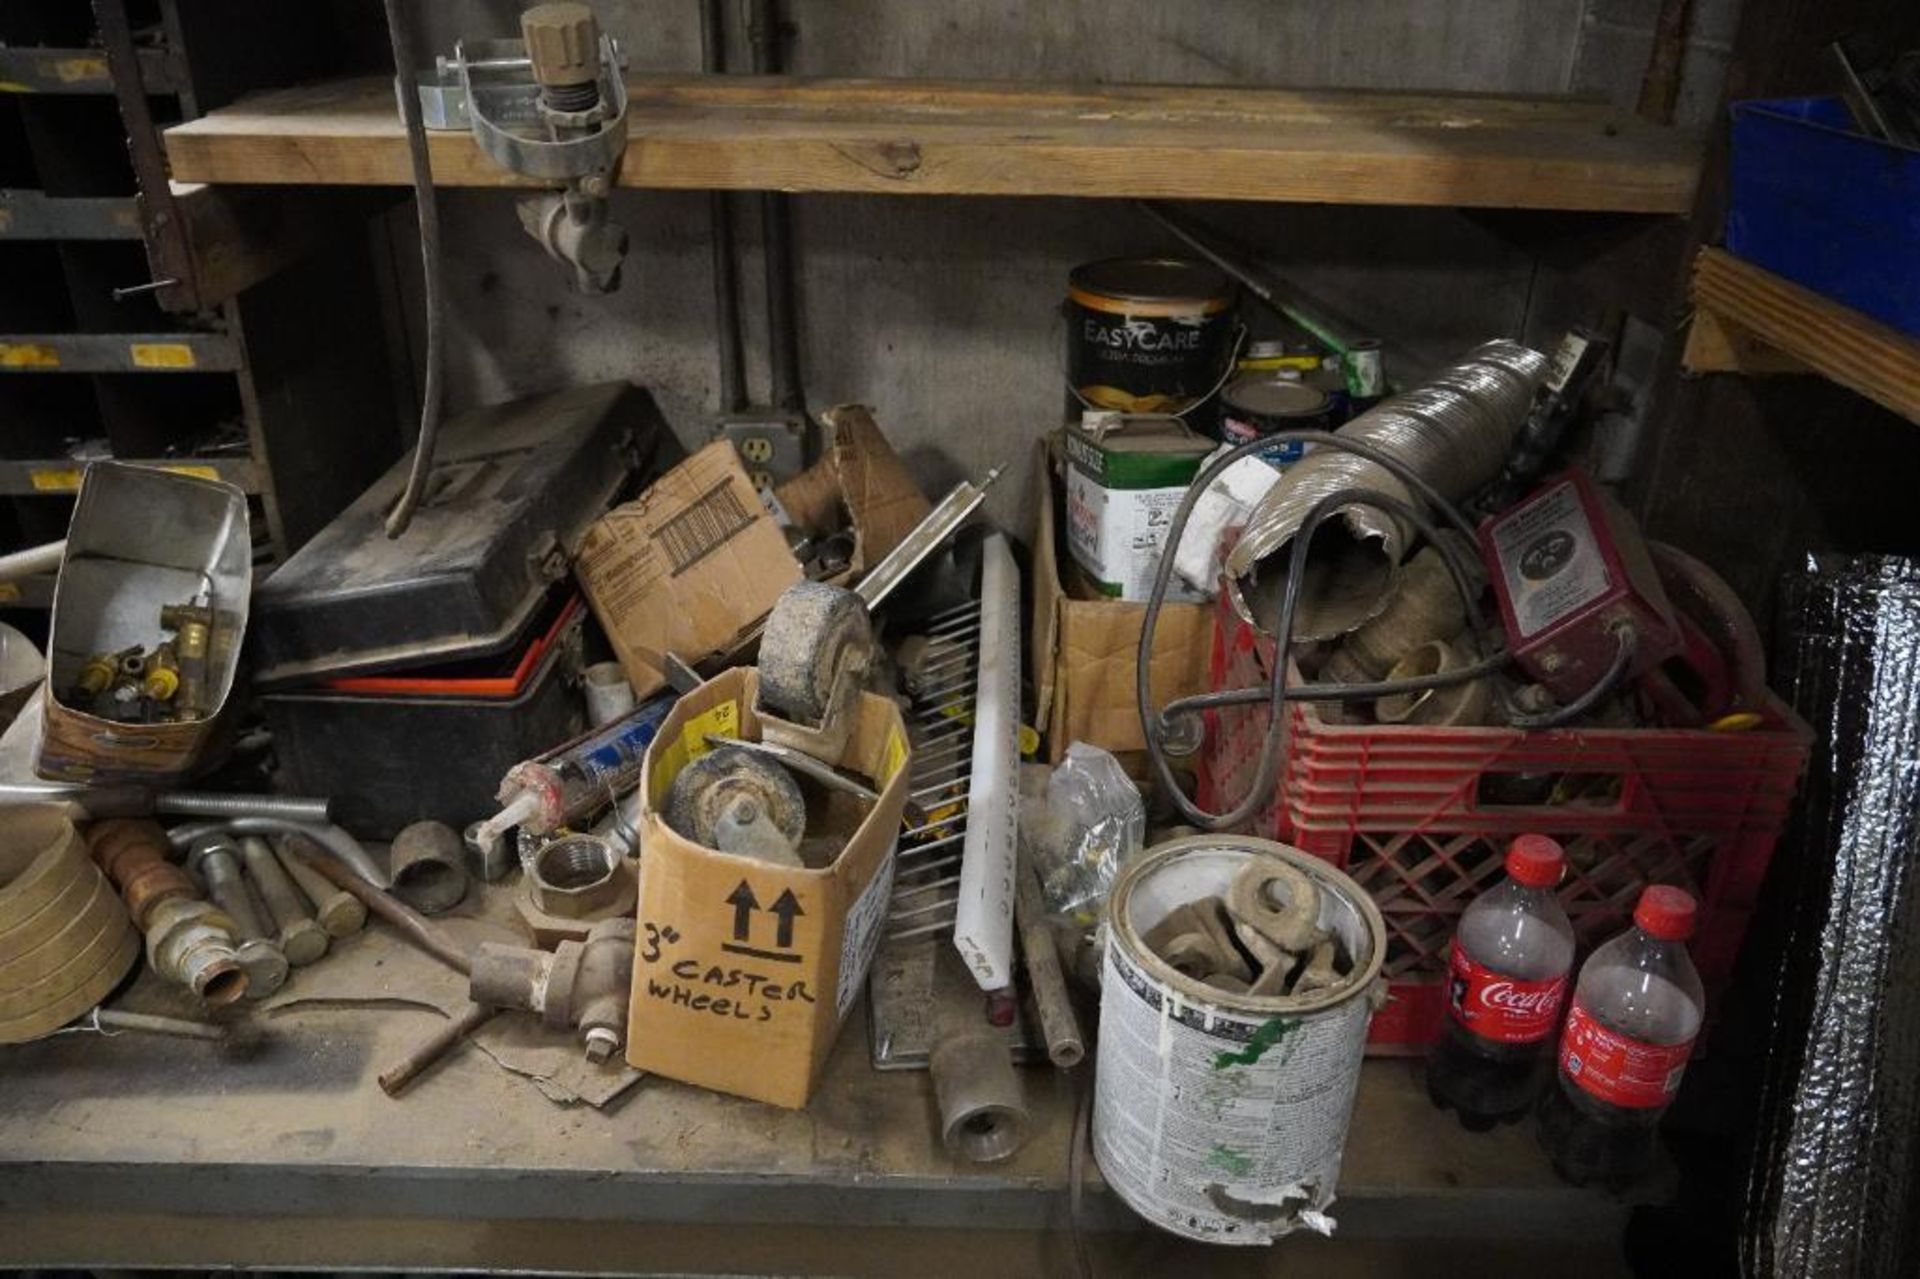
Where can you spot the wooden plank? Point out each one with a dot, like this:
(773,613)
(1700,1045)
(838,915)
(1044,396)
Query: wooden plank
(1845,346)
(235,238)
(1716,344)
(939,138)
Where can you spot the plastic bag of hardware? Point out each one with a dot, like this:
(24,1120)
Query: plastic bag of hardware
(1094,822)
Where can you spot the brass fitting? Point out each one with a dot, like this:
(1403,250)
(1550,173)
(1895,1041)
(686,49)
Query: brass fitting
(582,985)
(162,679)
(192,626)
(563,44)
(97,676)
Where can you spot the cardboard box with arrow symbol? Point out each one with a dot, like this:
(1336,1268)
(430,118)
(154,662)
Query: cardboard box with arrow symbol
(744,970)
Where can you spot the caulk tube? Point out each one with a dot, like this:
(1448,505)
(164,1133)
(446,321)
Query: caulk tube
(576,778)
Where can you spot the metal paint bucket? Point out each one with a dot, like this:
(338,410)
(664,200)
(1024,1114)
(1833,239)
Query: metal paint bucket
(1257,404)
(1147,335)
(1216,1116)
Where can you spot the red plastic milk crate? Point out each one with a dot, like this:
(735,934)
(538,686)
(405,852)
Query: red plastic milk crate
(1421,817)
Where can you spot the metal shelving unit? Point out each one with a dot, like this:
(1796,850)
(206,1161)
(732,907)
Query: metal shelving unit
(214,332)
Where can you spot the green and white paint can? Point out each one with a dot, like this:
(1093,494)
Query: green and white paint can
(1222,1117)
(1126,474)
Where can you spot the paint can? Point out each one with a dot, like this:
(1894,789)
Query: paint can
(1257,404)
(1125,476)
(1364,368)
(1222,1117)
(1147,335)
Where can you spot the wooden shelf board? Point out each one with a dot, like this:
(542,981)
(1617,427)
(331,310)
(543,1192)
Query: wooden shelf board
(1749,320)
(941,138)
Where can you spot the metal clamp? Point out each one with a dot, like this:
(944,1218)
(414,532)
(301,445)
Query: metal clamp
(500,105)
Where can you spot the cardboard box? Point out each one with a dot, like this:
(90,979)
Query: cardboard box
(745,971)
(861,484)
(689,567)
(141,539)
(1084,647)
(695,563)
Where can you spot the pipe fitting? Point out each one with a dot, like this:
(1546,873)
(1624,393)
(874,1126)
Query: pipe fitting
(572,882)
(216,860)
(1459,706)
(133,853)
(582,986)
(1425,606)
(429,867)
(982,1116)
(191,942)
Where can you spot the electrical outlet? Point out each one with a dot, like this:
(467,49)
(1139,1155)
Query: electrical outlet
(774,447)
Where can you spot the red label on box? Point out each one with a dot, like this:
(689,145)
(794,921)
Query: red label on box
(1617,1068)
(1501,1008)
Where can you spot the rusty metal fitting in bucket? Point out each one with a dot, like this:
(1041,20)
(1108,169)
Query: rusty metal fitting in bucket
(1258,1169)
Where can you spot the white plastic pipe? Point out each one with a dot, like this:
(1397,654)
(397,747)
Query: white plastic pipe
(983,923)
(32,562)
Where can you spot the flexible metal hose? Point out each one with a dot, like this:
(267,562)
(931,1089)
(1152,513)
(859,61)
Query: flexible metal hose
(1277,694)
(1454,431)
(427,210)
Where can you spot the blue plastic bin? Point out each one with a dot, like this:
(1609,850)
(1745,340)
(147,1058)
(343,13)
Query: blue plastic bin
(1821,204)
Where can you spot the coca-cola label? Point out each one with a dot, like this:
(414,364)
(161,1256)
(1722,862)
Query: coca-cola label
(1501,1008)
(1617,1068)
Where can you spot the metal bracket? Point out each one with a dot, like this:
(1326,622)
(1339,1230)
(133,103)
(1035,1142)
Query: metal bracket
(491,93)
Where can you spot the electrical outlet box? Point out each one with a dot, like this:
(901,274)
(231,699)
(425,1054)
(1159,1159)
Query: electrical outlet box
(773,446)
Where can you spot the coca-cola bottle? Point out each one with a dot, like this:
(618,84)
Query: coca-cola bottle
(1636,1010)
(1507,976)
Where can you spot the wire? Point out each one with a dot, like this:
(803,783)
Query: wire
(428,211)
(1628,643)
(1278,693)
(1197,702)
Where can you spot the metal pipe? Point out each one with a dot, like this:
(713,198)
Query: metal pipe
(302,939)
(390,908)
(726,266)
(776,235)
(427,209)
(343,847)
(114,1019)
(338,910)
(292,808)
(1066,1046)
(394,1081)
(33,561)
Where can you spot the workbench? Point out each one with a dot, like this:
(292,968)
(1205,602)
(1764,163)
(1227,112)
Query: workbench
(137,1150)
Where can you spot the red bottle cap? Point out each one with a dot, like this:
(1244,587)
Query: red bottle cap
(1536,861)
(1665,912)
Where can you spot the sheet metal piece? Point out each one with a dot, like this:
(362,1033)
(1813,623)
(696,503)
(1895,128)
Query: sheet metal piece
(1835,1188)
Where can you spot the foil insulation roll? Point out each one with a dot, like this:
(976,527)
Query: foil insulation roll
(1835,1188)
(1454,432)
